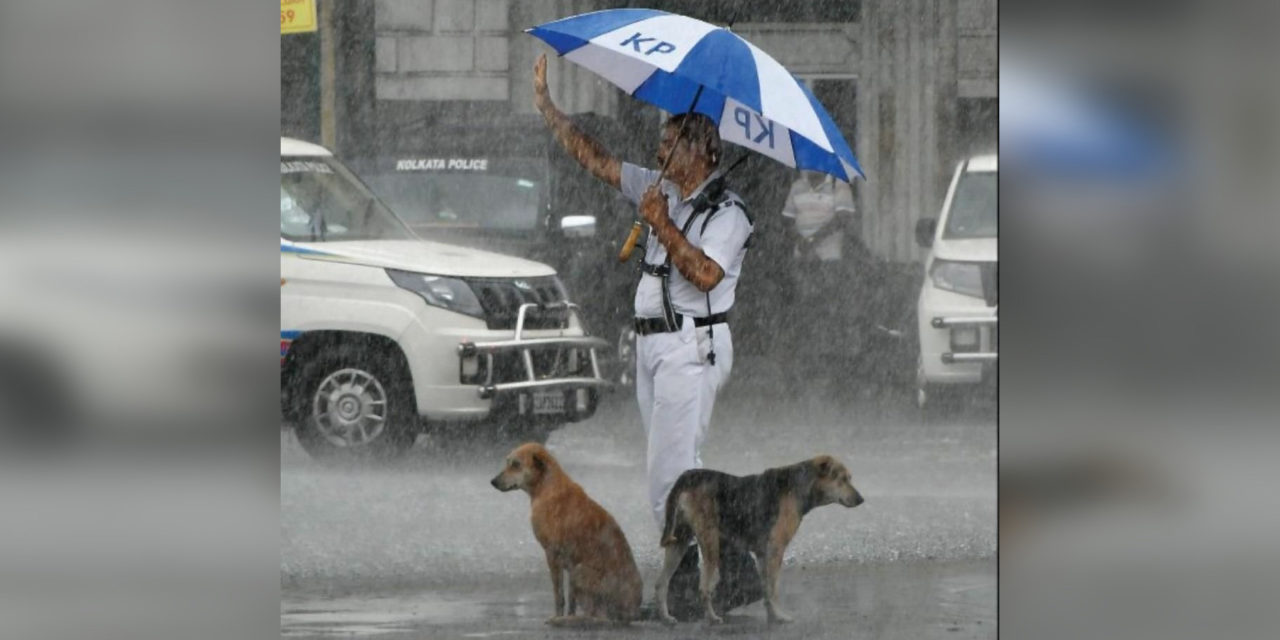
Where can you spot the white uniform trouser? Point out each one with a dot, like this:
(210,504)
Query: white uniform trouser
(676,388)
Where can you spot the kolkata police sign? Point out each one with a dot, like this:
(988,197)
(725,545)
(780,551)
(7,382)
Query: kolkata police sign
(442,164)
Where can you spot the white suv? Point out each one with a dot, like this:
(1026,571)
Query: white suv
(957,307)
(384,335)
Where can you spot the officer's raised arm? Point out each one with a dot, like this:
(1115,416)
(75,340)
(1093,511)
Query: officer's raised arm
(586,150)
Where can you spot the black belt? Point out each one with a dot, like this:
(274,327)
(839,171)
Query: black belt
(647,326)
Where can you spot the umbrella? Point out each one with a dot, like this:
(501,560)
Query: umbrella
(681,64)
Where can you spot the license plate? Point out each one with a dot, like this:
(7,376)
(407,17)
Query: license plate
(546,402)
(964,336)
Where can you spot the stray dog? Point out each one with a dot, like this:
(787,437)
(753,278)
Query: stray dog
(580,538)
(760,512)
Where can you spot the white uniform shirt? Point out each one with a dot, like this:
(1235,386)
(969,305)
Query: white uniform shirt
(812,207)
(724,241)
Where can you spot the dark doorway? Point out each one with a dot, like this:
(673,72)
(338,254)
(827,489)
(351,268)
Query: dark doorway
(840,98)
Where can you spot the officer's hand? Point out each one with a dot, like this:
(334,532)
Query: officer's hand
(653,205)
(541,97)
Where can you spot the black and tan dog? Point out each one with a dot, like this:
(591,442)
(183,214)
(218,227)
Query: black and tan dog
(760,512)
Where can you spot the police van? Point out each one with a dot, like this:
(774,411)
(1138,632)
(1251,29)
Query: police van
(957,308)
(385,335)
(505,185)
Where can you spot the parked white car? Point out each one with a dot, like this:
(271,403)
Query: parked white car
(956,311)
(384,335)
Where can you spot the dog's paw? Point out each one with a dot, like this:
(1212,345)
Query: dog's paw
(714,619)
(778,617)
(667,619)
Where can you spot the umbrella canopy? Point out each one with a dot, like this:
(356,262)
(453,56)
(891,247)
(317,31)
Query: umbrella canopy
(663,59)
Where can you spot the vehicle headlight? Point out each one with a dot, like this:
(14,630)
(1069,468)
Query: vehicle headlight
(447,293)
(964,278)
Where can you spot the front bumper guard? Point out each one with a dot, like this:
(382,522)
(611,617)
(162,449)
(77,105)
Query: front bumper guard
(488,388)
(969,356)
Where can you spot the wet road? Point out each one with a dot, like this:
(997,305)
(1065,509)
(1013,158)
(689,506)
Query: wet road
(429,549)
(916,601)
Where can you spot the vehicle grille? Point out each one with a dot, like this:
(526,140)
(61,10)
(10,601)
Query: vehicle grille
(990,283)
(547,363)
(501,300)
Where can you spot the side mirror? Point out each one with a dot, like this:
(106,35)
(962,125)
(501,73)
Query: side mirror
(925,230)
(578,226)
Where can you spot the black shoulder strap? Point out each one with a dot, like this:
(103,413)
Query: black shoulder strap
(710,209)
(684,231)
(725,204)
(664,272)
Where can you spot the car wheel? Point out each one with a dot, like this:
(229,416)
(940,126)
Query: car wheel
(626,350)
(356,406)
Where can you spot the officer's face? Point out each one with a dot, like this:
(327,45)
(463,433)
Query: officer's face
(667,145)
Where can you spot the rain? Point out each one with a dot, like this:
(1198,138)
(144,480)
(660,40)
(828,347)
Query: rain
(434,111)
(165,475)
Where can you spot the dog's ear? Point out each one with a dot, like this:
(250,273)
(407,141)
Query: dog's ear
(802,479)
(539,463)
(824,466)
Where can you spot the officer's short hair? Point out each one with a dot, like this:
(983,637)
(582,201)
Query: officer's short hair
(701,132)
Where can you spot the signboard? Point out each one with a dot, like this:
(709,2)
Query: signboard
(442,164)
(297,16)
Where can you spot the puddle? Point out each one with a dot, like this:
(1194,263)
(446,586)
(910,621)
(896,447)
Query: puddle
(375,616)
(371,616)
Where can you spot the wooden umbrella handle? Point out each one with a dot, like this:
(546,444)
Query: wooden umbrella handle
(630,244)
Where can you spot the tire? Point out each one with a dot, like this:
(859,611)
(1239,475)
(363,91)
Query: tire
(37,404)
(625,347)
(356,405)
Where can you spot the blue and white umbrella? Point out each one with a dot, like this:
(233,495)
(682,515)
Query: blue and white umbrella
(663,59)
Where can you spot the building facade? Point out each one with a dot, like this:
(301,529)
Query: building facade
(912,83)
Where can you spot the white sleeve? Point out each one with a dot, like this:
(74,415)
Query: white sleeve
(790,210)
(725,235)
(843,197)
(635,180)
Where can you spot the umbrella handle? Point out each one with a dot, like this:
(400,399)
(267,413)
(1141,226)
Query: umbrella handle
(630,244)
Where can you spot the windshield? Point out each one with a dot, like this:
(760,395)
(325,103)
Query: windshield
(974,207)
(463,199)
(321,201)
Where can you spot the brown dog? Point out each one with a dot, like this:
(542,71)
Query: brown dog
(760,512)
(579,537)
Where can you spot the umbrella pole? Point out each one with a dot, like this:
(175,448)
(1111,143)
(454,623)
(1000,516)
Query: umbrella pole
(633,237)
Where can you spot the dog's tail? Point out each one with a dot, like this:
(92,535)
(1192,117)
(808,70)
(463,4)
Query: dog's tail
(669,524)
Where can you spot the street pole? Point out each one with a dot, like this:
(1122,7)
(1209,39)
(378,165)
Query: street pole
(328,97)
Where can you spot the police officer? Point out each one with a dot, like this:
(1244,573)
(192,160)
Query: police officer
(824,300)
(692,260)
(821,208)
